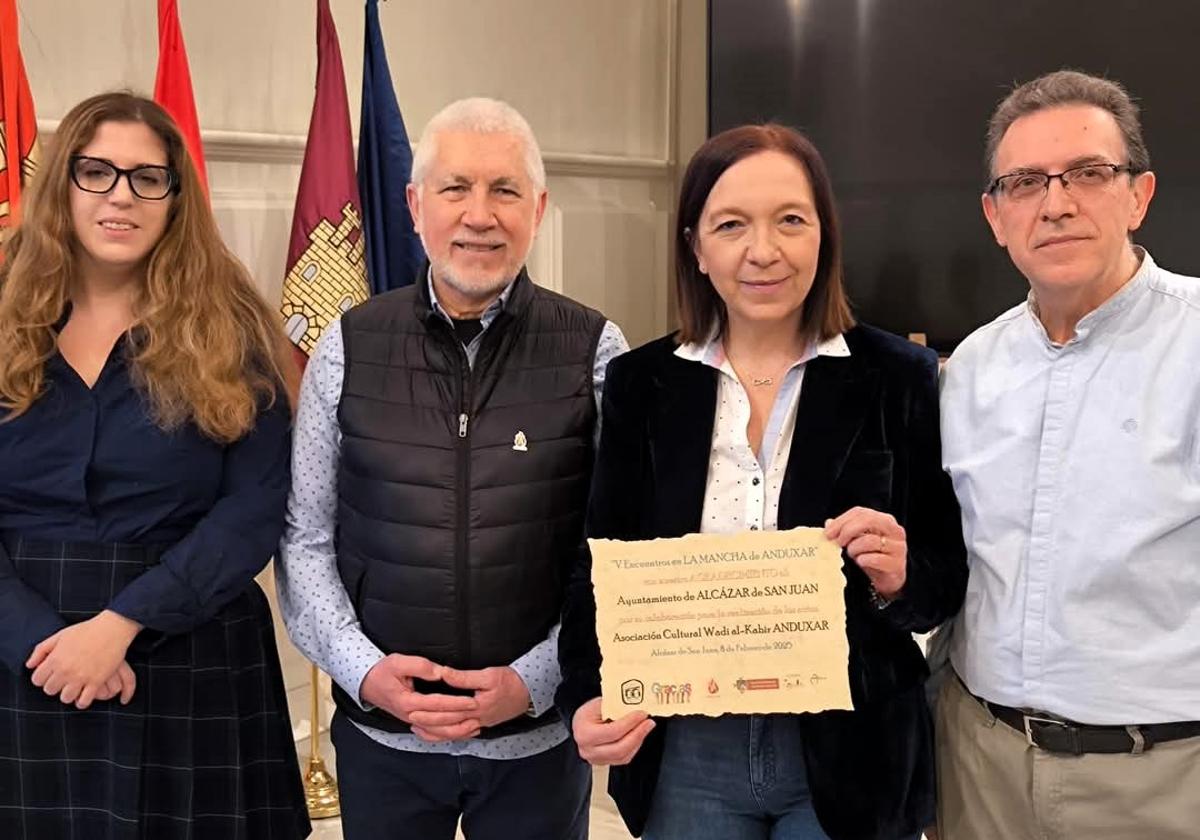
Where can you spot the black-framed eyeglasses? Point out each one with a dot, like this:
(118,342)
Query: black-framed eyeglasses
(96,175)
(1088,177)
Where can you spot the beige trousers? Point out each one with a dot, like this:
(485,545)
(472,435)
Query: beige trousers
(992,785)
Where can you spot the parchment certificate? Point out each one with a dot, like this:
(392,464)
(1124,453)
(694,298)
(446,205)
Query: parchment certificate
(709,624)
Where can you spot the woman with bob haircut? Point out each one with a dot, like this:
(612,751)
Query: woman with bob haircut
(770,409)
(144,438)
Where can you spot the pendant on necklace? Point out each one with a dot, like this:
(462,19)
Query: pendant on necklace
(764,381)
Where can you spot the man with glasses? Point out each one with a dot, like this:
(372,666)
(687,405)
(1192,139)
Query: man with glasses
(1071,430)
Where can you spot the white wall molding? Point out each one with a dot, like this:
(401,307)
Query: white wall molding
(288,149)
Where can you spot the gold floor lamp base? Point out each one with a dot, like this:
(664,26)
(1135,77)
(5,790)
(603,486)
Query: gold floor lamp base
(320,791)
(320,788)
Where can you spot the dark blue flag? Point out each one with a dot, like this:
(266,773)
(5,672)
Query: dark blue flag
(394,253)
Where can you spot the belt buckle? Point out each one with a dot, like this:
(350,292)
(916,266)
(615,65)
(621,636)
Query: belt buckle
(1074,747)
(1140,744)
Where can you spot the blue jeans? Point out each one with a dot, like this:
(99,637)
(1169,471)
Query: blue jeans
(736,777)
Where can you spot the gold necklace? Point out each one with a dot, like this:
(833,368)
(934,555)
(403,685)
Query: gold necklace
(763,381)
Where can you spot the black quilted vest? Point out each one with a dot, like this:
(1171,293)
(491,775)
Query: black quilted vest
(462,491)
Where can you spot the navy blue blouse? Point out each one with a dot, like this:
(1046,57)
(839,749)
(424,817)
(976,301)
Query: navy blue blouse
(90,465)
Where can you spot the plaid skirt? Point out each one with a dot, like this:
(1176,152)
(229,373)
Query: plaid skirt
(204,750)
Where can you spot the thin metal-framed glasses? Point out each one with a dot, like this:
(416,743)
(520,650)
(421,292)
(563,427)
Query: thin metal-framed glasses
(96,175)
(1087,177)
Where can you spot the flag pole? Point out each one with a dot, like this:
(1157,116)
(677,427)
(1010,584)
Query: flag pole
(326,274)
(320,788)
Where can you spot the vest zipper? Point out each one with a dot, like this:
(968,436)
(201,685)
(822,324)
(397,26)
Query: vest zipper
(461,566)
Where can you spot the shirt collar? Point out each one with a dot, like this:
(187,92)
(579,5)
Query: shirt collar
(1125,297)
(489,314)
(711,351)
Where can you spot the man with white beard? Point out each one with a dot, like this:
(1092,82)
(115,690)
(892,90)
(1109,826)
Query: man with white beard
(443,454)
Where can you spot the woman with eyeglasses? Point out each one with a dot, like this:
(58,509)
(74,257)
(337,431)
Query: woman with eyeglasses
(144,466)
(771,409)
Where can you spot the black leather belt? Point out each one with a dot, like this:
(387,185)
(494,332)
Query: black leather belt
(1057,735)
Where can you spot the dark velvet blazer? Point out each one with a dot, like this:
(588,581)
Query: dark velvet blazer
(866,434)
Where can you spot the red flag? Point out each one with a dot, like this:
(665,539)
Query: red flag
(326,270)
(173,84)
(19,150)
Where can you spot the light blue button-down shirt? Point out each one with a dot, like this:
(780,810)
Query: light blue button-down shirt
(316,609)
(1078,471)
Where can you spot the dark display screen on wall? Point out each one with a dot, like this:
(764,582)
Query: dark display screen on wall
(897,93)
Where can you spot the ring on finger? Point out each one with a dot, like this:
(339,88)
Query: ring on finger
(882,544)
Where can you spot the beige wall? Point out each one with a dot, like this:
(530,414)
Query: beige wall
(614,90)
(253,61)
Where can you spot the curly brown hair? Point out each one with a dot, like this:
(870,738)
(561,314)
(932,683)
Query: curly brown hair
(208,348)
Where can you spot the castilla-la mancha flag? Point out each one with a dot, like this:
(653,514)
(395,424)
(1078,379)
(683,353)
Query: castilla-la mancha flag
(19,150)
(173,83)
(326,271)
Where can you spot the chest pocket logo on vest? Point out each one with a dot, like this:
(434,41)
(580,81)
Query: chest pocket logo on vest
(520,443)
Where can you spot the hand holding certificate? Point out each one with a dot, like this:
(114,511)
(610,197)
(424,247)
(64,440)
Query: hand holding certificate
(708,624)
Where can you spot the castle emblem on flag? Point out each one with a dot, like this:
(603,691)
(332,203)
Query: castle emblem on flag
(327,279)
